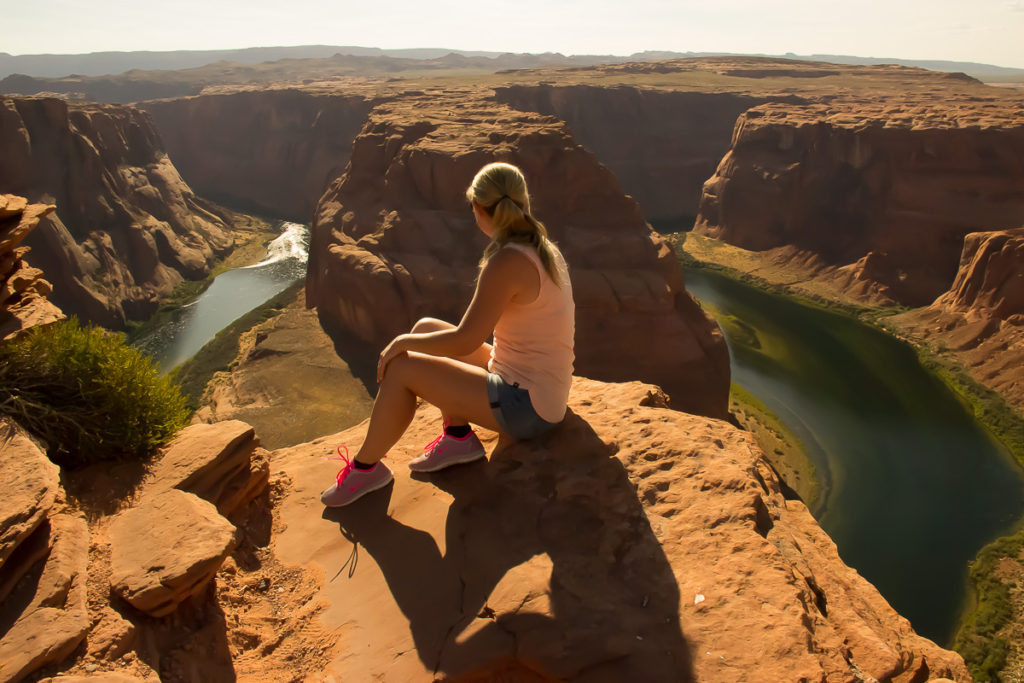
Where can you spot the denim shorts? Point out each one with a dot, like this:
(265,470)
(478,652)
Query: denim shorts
(513,410)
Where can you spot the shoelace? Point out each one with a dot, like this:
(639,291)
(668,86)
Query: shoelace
(440,437)
(349,466)
(430,446)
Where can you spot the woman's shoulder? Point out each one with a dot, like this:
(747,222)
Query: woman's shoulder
(514,252)
(511,263)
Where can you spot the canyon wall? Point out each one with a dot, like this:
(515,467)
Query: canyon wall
(661,144)
(887,190)
(394,240)
(980,319)
(127,228)
(990,281)
(271,152)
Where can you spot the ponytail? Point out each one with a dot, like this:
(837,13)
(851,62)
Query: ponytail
(500,190)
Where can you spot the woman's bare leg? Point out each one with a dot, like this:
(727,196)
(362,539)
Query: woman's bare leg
(459,389)
(480,358)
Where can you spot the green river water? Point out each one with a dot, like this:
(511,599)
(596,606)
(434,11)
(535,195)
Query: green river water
(911,486)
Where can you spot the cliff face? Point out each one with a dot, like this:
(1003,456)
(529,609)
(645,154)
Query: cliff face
(394,240)
(886,191)
(980,319)
(990,281)
(661,145)
(273,152)
(127,228)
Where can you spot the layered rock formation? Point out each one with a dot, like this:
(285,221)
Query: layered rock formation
(23,291)
(980,319)
(393,241)
(127,228)
(161,550)
(633,543)
(43,558)
(990,281)
(886,190)
(274,151)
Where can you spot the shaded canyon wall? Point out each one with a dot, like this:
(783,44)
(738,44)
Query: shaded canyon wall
(127,228)
(889,194)
(661,145)
(270,152)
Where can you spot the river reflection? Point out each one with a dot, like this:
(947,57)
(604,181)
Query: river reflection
(911,486)
(232,295)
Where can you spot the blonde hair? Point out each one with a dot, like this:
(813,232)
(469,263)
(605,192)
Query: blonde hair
(500,190)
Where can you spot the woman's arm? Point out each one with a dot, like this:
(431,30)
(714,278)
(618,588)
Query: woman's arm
(507,274)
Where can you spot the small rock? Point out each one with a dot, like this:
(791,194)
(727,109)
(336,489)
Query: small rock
(112,637)
(194,541)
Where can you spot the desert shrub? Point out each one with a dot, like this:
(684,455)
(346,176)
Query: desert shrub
(87,394)
(978,641)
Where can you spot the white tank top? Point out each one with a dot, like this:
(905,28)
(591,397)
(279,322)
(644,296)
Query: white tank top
(533,343)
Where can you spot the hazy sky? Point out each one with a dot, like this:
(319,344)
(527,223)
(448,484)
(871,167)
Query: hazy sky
(990,31)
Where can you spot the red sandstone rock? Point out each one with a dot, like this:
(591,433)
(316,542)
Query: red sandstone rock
(662,145)
(276,150)
(127,229)
(981,318)
(55,620)
(394,241)
(193,541)
(11,205)
(990,281)
(856,177)
(633,543)
(111,637)
(23,291)
(104,677)
(30,486)
(219,462)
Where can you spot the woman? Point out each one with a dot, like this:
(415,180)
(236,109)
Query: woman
(518,386)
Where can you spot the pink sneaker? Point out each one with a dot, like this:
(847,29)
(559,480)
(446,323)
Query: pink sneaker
(446,450)
(352,484)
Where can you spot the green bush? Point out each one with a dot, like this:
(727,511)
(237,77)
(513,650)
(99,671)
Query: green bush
(978,641)
(87,394)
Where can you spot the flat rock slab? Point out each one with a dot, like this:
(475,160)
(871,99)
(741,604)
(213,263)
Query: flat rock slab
(633,543)
(215,462)
(166,550)
(28,488)
(55,620)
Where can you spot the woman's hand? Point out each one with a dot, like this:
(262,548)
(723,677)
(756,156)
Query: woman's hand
(397,347)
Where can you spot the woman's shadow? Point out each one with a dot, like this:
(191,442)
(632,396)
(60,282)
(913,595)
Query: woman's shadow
(611,607)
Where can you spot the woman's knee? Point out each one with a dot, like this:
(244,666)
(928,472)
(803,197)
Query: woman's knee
(403,368)
(430,325)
